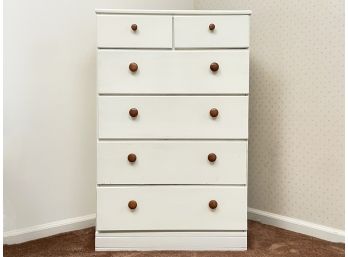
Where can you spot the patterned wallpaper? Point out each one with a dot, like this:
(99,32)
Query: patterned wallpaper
(296,146)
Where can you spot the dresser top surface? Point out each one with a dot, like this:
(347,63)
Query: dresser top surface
(174,12)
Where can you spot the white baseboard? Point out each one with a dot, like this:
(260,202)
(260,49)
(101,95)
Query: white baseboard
(297,225)
(61,226)
(48,229)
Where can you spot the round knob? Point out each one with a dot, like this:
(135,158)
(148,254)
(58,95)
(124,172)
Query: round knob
(133,67)
(132,157)
(213,204)
(212,157)
(212,26)
(214,67)
(134,27)
(214,112)
(133,112)
(132,204)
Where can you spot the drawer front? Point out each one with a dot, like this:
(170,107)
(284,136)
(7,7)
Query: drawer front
(172,117)
(171,208)
(172,162)
(151,31)
(194,32)
(173,72)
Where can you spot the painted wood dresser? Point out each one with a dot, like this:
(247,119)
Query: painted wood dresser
(172,96)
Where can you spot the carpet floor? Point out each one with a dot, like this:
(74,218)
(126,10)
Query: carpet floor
(263,240)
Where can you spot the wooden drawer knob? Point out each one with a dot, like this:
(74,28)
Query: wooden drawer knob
(133,67)
(132,204)
(214,112)
(212,26)
(132,157)
(214,67)
(212,157)
(133,112)
(134,27)
(213,204)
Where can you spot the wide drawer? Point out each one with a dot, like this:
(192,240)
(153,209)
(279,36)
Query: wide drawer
(173,72)
(222,31)
(116,31)
(171,208)
(172,162)
(169,117)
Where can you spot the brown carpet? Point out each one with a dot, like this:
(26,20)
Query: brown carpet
(263,240)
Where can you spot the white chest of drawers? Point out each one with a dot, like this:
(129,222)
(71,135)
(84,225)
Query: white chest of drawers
(172,93)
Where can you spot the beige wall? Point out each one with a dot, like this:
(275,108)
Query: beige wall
(296,128)
(296,159)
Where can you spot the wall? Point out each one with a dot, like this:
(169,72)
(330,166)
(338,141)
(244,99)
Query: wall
(296,113)
(296,146)
(49,109)
(146,4)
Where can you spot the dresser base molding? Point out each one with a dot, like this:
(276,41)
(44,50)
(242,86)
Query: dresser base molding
(155,241)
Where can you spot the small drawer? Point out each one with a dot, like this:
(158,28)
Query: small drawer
(172,162)
(173,117)
(134,31)
(171,208)
(173,72)
(220,31)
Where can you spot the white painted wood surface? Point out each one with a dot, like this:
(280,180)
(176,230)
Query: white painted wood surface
(22,235)
(115,31)
(297,225)
(173,117)
(147,241)
(173,12)
(173,90)
(173,72)
(48,229)
(172,162)
(231,31)
(171,208)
